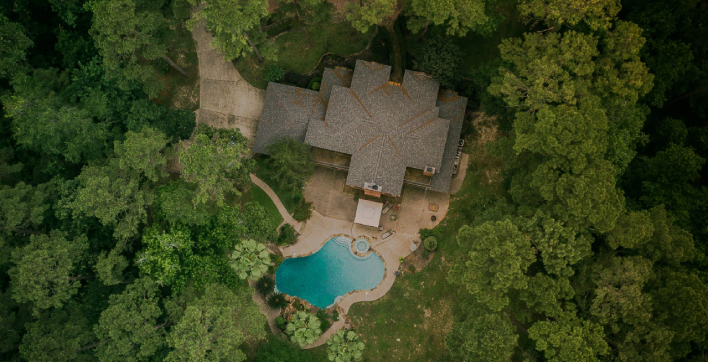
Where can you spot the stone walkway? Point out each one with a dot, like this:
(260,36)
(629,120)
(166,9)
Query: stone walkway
(226,99)
(276,200)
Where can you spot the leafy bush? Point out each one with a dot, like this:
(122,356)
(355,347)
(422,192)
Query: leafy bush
(276,260)
(287,235)
(277,301)
(315,83)
(441,59)
(250,259)
(303,328)
(303,211)
(280,322)
(324,319)
(345,346)
(275,73)
(265,285)
(430,243)
(411,268)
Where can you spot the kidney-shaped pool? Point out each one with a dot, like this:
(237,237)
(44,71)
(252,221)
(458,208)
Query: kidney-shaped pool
(331,272)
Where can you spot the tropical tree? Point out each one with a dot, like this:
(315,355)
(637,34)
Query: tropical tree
(43,122)
(212,161)
(458,17)
(277,301)
(44,270)
(234,24)
(498,257)
(22,208)
(129,36)
(116,192)
(345,346)
(164,254)
(58,335)
(290,163)
(130,328)
(13,43)
(250,259)
(597,14)
(441,59)
(303,328)
(212,326)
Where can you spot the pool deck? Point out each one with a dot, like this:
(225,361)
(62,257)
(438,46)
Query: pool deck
(334,214)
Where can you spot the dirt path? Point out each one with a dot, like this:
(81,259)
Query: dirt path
(226,99)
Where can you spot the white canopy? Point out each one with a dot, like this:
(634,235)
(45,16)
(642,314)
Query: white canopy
(368,213)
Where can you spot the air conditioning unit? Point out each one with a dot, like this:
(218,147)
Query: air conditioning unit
(372,189)
(429,171)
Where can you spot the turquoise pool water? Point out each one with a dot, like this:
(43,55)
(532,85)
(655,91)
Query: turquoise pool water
(331,272)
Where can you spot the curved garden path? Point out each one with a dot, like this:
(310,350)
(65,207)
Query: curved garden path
(276,200)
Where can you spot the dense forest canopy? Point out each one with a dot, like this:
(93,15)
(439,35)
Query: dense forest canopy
(122,221)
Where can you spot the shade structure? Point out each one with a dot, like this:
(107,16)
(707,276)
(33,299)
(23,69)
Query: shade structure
(368,213)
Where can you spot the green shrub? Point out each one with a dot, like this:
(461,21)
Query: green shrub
(303,328)
(280,322)
(324,319)
(345,346)
(431,243)
(287,235)
(275,73)
(265,285)
(297,305)
(315,83)
(303,211)
(411,268)
(277,301)
(275,260)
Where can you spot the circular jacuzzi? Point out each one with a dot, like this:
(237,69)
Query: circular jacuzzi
(361,246)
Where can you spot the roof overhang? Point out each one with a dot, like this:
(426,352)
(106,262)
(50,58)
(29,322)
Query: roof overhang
(368,213)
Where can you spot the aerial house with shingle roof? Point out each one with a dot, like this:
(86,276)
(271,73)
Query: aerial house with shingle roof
(392,132)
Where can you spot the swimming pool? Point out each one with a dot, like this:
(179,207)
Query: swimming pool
(330,273)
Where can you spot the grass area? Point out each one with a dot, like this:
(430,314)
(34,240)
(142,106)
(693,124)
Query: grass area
(259,196)
(300,54)
(289,198)
(181,92)
(478,50)
(411,321)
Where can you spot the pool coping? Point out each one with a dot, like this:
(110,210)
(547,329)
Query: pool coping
(342,297)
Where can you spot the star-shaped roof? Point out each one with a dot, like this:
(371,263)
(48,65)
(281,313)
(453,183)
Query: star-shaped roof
(385,126)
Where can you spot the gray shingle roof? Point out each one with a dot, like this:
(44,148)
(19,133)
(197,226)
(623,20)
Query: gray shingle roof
(286,112)
(452,107)
(385,126)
